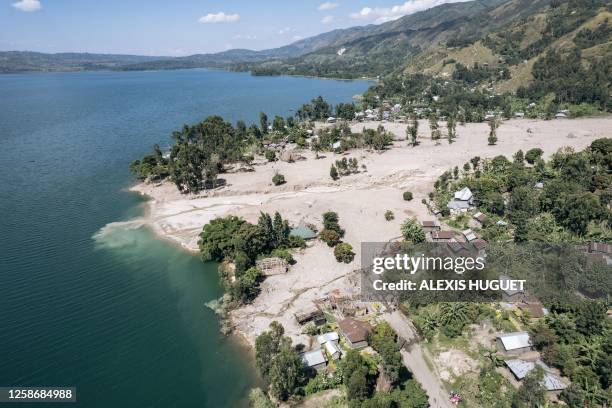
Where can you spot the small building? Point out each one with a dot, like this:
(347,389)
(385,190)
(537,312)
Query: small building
(429,226)
(456,246)
(313,314)
(481,246)
(561,115)
(442,236)
(462,200)
(314,359)
(329,341)
(480,218)
(513,343)
(355,332)
(469,235)
(303,231)
(272,266)
(539,185)
(331,119)
(520,369)
(336,145)
(501,223)
(511,295)
(519,115)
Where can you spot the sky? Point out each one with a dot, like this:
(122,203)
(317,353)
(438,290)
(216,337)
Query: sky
(183,27)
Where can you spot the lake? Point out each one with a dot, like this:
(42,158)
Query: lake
(88,297)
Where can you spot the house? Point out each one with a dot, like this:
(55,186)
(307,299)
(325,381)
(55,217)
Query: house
(313,314)
(539,185)
(336,145)
(429,226)
(442,236)
(513,343)
(314,359)
(469,235)
(520,369)
(561,115)
(329,341)
(519,115)
(331,119)
(480,245)
(455,246)
(355,332)
(461,201)
(303,232)
(480,218)
(501,223)
(511,295)
(272,266)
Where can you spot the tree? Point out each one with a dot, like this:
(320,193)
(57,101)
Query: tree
(333,172)
(531,393)
(278,179)
(217,238)
(330,237)
(344,252)
(331,222)
(263,122)
(493,125)
(407,196)
(270,155)
(451,125)
(412,231)
(433,126)
(533,155)
(590,317)
(278,362)
(355,376)
(384,341)
(278,124)
(412,130)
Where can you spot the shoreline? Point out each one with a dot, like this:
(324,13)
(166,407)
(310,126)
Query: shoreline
(360,200)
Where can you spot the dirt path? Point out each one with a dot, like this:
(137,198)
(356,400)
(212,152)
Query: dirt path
(415,361)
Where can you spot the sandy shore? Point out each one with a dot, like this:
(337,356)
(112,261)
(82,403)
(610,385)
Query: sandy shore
(360,200)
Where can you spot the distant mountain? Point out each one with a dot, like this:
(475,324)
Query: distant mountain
(24,61)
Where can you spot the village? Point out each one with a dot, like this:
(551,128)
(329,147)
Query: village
(317,298)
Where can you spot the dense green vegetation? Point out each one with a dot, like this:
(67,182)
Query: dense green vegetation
(232,239)
(572,204)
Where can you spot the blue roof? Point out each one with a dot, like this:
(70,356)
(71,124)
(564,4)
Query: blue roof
(303,231)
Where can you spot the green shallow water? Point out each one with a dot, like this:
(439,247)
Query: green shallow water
(88,296)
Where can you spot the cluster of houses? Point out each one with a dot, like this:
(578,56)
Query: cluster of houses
(516,345)
(354,334)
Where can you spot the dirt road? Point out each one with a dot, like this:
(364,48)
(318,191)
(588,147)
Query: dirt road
(415,361)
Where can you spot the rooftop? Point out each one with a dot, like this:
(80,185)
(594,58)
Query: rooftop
(354,330)
(515,340)
(464,194)
(520,368)
(313,358)
(303,232)
(327,337)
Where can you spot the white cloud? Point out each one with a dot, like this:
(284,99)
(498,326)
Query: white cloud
(244,37)
(327,5)
(219,17)
(286,30)
(383,14)
(28,5)
(327,19)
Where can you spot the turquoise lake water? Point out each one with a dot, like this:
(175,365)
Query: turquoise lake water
(89,298)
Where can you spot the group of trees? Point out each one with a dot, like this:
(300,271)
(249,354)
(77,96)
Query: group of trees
(235,240)
(577,339)
(572,202)
(343,167)
(332,235)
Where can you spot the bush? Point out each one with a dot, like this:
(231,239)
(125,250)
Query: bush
(389,215)
(533,155)
(333,172)
(330,237)
(408,195)
(344,253)
(278,179)
(270,155)
(412,231)
(283,254)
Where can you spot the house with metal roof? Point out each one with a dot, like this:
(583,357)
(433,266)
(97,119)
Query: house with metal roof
(314,359)
(514,343)
(329,341)
(469,235)
(462,200)
(355,331)
(520,369)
